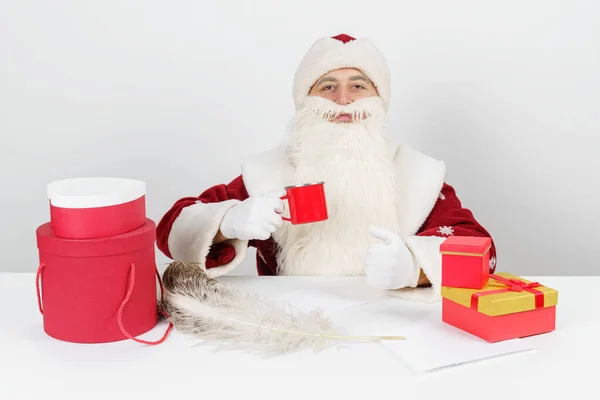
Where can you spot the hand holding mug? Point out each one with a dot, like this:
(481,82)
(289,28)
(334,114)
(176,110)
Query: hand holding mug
(259,216)
(256,217)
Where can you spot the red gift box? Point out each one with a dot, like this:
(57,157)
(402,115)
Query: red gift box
(97,290)
(83,208)
(508,307)
(465,261)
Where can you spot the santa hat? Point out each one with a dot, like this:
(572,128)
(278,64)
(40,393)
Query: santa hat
(341,51)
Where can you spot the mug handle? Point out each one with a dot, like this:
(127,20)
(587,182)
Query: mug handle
(286,197)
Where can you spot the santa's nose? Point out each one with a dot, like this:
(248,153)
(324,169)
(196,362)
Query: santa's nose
(343,98)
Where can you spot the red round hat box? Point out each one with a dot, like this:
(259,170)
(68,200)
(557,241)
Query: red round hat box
(98,290)
(83,208)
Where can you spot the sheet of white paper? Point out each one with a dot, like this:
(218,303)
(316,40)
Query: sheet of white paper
(390,316)
(430,343)
(433,344)
(311,299)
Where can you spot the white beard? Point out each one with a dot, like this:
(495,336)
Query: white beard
(355,162)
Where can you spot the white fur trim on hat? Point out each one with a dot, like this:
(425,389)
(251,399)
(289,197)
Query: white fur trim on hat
(341,51)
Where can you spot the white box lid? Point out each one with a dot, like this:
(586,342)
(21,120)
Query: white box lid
(91,192)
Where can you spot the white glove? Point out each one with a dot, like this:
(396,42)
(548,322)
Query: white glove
(254,218)
(390,265)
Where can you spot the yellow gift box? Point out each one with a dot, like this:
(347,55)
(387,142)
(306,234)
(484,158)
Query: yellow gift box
(506,307)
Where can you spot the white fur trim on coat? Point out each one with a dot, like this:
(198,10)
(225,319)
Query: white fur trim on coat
(194,230)
(419,181)
(328,54)
(426,253)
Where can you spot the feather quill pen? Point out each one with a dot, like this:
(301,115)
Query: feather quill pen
(203,307)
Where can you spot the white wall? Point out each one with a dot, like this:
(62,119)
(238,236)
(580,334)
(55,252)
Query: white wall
(506,92)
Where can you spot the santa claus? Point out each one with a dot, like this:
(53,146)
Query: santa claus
(389,205)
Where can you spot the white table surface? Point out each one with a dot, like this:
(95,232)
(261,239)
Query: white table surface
(33,365)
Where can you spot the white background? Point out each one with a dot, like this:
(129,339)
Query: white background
(507,93)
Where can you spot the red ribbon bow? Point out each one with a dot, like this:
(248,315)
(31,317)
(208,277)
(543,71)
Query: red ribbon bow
(514,285)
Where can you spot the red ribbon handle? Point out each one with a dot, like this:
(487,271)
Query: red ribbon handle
(37,286)
(126,299)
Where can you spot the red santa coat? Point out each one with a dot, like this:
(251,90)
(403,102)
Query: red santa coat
(429,209)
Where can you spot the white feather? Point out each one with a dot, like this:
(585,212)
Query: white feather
(202,307)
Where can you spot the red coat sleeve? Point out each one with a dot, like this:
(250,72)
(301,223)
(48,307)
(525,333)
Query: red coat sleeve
(449,217)
(187,229)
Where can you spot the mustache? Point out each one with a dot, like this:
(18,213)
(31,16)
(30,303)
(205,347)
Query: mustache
(329,110)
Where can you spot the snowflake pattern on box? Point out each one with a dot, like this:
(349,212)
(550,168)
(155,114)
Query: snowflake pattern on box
(446,230)
(492,263)
(442,196)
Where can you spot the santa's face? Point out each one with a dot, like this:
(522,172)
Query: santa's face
(343,86)
(355,160)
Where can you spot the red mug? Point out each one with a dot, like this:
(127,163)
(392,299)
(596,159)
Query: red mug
(306,203)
